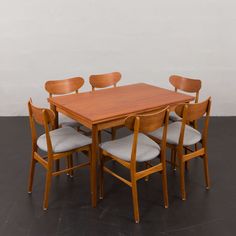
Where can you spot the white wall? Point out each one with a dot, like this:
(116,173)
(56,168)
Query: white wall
(147,41)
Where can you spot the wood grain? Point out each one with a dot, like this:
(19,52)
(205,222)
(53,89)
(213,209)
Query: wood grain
(109,107)
(104,80)
(185,84)
(102,105)
(190,112)
(45,117)
(58,87)
(194,111)
(141,123)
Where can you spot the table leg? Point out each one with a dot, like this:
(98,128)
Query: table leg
(94,165)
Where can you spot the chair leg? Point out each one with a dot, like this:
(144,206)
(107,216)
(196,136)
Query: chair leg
(147,177)
(68,165)
(206,170)
(182,181)
(173,159)
(47,189)
(135,200)
(31,176)
(71,165)
(113,133)
(57,165)
(187,165)
(164,187)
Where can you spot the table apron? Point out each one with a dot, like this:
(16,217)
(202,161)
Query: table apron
(113,122)
(81,120)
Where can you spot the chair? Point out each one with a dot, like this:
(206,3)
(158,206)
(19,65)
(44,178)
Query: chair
(57,143)
(181,136)
(186,85)
(138,147)
(61,87)
(104,81)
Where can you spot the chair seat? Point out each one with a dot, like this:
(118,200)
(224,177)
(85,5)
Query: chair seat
(191,135)
(64,139)
(67,121)
(147,149)
(174,117)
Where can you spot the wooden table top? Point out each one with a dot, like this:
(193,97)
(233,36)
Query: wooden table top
(111,103)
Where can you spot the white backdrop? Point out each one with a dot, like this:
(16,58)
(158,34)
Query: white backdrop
(146,41)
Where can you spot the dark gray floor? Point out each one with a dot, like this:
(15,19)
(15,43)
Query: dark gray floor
(70,213)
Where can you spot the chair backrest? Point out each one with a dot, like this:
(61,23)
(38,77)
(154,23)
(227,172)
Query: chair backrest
(44,117)
(65,86)
(104,80)
(186,84)
(193,112)
(148,123)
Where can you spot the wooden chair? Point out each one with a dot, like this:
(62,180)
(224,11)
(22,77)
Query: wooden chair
(61,87)
(138,147)
(57,143)
(105,81)
(186,85)
(181,136)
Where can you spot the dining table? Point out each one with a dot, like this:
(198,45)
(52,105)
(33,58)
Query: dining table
(108,108)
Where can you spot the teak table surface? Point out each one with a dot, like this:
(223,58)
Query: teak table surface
(107,108)
(101,105)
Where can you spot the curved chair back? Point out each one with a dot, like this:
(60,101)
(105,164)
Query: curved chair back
(192,113)
(59,87)
(186,84)
(104,80)
(44,117)
(148,123)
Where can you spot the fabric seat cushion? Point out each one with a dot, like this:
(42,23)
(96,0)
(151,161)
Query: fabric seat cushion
(191,135)
(147,149)
(67,121)
(64,139)
(174,117)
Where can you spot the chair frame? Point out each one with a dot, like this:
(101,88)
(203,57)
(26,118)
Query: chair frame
(65,86)
(186,84)
(144,124)
(62,87)
(189,113)
(104,81)
(45,118)
(190,86)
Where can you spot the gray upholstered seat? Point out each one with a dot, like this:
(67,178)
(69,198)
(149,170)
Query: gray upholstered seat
(67,121)
(174,117)
(64,139)
(147,149)
(191,135)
